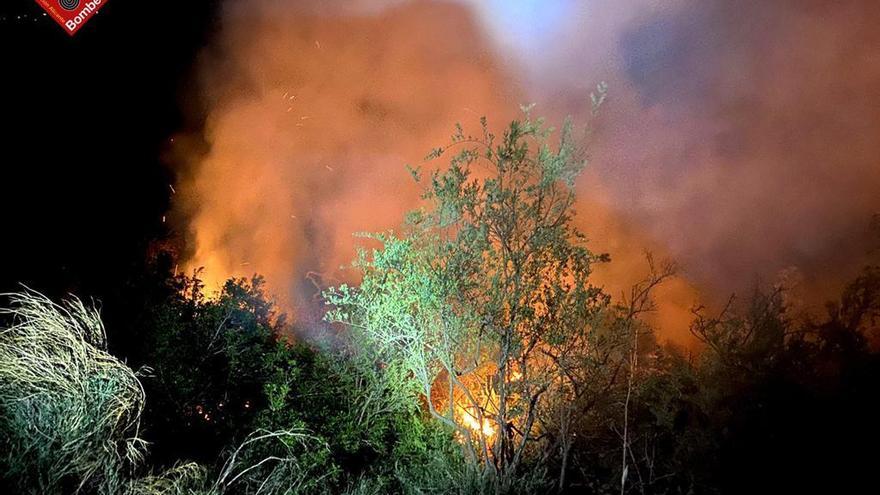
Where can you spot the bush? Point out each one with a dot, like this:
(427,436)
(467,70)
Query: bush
(225,367)
(211,358)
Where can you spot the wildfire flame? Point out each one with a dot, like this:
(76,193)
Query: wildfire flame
(471,420)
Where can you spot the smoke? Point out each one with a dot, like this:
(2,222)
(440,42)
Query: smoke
(745,141)
(740,137)
(313,115)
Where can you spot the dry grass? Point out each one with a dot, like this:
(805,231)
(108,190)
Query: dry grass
(68,410)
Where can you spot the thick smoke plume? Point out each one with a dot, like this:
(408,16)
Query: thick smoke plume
(740,137)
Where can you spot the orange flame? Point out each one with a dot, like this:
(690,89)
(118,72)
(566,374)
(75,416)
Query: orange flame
(471,419)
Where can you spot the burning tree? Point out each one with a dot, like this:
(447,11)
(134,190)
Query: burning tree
(485,300)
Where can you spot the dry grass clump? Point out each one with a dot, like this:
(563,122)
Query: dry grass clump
(185,479)
(69,411)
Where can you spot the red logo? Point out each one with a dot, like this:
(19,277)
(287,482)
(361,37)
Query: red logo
(72,14)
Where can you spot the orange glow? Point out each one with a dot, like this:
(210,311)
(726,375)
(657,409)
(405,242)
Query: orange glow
(470,418)
(315,149)
(312,112)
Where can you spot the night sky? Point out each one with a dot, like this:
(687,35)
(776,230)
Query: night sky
(86,120)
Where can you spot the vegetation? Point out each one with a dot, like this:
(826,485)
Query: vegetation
(474,356)
(486,305)
(69,412)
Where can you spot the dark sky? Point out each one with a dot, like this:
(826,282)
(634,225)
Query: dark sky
(85,121)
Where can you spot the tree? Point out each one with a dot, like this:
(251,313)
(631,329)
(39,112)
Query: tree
(486,296)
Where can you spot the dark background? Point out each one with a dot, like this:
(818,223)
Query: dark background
(85,121)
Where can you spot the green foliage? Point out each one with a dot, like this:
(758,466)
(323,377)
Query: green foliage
(487,291)
(376,436)
(361,413)
(211,359)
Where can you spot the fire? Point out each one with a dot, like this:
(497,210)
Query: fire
(471,420)
(468,414)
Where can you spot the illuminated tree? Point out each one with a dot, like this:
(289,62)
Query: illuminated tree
(485,298)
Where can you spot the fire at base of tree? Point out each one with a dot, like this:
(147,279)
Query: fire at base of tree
(474,356)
